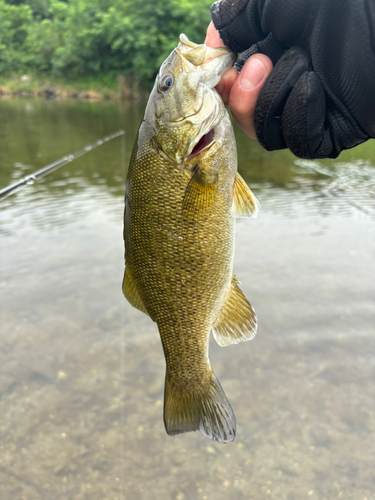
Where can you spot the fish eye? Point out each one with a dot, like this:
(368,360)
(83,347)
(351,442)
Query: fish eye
(166,82)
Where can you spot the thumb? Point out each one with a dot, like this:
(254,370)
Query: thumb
(245,91)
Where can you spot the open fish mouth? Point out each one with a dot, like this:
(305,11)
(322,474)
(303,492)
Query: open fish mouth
(204,143)
(211,124)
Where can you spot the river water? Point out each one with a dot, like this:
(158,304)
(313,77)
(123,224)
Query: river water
(82,372)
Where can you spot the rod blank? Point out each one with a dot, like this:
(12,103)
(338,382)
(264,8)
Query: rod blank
(39,174)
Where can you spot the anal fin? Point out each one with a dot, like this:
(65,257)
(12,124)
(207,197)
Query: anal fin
(244,202)
(237,320)
(130,291)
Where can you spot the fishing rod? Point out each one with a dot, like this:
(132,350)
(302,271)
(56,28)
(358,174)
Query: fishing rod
(39,174)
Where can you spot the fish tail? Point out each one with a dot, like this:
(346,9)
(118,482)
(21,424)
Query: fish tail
(210,412)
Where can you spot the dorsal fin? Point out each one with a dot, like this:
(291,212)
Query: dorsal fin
(130,291)
(244,202)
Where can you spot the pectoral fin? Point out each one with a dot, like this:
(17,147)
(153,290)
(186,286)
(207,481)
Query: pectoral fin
(131,293)
(236,321)
(200,195)
(244,202)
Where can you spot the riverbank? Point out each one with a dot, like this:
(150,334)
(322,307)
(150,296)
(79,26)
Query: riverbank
(108,88)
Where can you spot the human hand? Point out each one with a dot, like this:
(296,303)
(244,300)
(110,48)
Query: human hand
(240,91)
(319,98)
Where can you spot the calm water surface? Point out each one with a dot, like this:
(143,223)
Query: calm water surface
(81,371)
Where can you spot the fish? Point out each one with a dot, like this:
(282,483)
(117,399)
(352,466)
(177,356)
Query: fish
(183,195)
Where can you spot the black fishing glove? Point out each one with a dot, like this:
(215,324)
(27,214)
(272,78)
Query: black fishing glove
(320,97)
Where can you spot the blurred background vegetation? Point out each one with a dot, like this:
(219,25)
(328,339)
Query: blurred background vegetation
(95,40)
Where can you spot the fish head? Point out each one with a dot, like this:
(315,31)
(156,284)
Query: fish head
(186,106)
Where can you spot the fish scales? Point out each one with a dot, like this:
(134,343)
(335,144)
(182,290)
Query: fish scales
(173,271)
(179,237)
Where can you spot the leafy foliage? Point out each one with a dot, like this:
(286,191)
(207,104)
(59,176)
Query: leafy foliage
(76,38)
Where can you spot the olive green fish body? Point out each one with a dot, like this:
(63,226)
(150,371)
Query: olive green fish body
(177,263)
(179,239)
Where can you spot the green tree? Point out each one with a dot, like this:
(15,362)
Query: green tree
(77,38)
(14,21)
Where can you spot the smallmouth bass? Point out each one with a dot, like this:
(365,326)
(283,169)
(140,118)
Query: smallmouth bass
(183,194)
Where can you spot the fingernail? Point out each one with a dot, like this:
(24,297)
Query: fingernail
(252,73)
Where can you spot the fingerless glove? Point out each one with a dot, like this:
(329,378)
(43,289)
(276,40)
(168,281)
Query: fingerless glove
(319,98)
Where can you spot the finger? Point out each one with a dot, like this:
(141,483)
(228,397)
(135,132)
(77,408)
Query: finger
(224,86)
(226,83)
(212,37)
(245,90)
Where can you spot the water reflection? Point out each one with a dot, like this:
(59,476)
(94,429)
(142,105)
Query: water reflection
(347,183)
(81,372)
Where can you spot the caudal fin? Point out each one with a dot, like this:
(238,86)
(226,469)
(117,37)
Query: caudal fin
(210,413)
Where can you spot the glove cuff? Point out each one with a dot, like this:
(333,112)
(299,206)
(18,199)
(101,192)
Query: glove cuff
(235,30)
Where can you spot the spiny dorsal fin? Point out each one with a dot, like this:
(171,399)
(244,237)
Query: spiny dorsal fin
(200,195)
(244,202)
(210,412)
(131,293)
(237,320)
